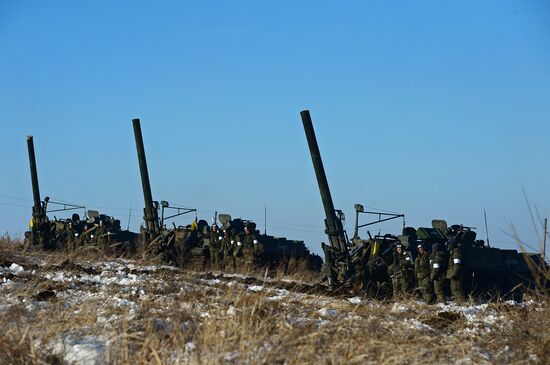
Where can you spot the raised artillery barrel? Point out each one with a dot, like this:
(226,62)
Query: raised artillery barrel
(333,225)
(150,216)
(37,212)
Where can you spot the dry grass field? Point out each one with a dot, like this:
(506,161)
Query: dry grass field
(83,308)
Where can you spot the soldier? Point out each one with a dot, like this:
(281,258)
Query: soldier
(227,249)
(438,271)
(237,244)
(422,272)
(252,249)
(215,246)
(454,272)
(400,266)
(100,234)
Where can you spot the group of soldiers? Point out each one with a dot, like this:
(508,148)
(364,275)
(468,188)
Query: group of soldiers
(429,271)
(228,247)
(73,232)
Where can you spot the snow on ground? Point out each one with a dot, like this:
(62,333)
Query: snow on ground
(124,290)
(87,350)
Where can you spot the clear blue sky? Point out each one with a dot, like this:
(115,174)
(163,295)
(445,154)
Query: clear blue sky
(429,108)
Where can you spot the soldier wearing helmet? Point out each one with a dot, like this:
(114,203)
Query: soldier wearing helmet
(455,272)
(215,246)
(438,270)
(252,249)
(399,270)
(422,273)
(227,248)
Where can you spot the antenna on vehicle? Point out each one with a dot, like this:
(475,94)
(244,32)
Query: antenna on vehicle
(544,240)
(129,216)
(486,230)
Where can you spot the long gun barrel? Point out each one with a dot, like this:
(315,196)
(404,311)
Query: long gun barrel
(37,211)
(334,229)
(150,213)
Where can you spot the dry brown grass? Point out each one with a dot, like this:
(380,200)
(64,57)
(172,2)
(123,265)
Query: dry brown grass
(131,312)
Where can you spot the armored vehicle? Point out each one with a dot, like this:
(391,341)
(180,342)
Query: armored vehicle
(276,250)
(70,233)
(172,245)
(487,271)
(363,263)
(190,244)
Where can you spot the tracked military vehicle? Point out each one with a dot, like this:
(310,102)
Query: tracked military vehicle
(487,271)
(363,263)
(189,244)
(174,245)
(276,250)
(69,233)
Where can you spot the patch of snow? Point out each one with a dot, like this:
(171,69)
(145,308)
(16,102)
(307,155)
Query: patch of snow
(58,276)
(162,326)
(231,356)
(240,276)
(255,288)
(355,300)
(89,350)
(211,281)
(124,302)
(204,315)
(534,357)
(189,346)
(16,269)
(275,298)
(399,308)
(328,312)
(281,294)
(353,317)
(417,325)
(231,311)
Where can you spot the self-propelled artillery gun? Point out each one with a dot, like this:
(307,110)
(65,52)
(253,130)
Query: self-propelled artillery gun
(69,233)
(363,263)
(192,244)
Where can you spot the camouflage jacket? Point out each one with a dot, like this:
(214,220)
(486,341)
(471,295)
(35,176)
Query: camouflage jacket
(251,245)
(455,264)
(237,244)
(401,264)
(226,245)
(439,264)
(216,240)
(422,266)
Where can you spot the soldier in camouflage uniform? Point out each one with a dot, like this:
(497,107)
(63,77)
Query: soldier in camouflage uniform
(237,243)
(454,272)
(422,272)
(215,246)
(252,249)
(227,249)
(100,233)
(398,271)
(438,271)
